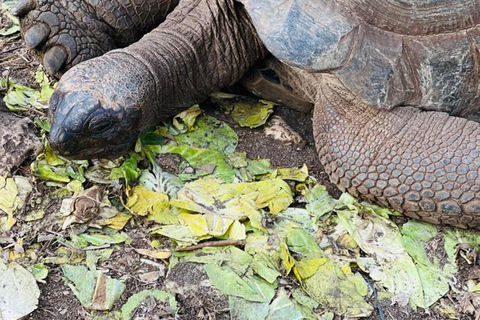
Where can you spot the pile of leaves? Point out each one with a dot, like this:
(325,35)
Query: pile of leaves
(271,241)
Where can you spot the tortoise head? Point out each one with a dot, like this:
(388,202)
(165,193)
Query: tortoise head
(84,126)
(92,117)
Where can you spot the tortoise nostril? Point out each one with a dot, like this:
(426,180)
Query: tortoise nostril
(58,136)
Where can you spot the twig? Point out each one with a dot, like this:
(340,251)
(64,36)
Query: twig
(105,246)
(220,243)
(377,302)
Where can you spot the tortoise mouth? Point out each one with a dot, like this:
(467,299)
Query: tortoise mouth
(72,146)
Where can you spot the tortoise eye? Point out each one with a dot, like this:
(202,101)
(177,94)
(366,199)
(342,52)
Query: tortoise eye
(99,125)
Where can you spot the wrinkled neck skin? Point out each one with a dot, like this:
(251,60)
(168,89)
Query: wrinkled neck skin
(202,47)
(101,106)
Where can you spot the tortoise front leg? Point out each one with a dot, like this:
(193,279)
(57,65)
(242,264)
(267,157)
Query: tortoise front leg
(100,106)
(65,33)
(424,164)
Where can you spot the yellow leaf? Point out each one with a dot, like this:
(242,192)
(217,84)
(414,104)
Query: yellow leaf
(304,269)
(156,254)
(217,225)
(9,200)
(287,260)
(237,231)
(142,201)
(118,222)
(235,201)
(195,222)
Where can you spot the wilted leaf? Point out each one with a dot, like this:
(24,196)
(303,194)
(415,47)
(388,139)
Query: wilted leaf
(117,222)
(135,300)
(436,272)
(156,254)
(249,288)
(282,308)
(235,200)
(87,204)
(161,181)
(265,267)
(178,233)
(246,111)
(93,289)
(334,290)
(9,199)
(142,202)
(387,261)
(241,309)
(19,292)
(319,202)
(293,173)
(9,31)
(94,256)
(184,120)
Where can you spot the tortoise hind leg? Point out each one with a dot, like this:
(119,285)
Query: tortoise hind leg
(65,33)
(424,164)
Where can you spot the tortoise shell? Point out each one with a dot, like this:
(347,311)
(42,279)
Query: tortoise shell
(389,53)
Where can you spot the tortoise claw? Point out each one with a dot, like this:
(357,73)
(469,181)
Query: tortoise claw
(54,59)
(23,7)
(37,35)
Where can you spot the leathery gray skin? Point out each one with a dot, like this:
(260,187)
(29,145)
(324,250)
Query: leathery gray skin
(424,164)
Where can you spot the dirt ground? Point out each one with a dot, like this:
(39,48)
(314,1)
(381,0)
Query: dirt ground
(57,300)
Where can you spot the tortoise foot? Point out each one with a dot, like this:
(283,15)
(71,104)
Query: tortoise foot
(62,34)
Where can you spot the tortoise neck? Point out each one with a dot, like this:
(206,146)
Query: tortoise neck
(203,46)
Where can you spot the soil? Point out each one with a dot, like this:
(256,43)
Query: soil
(57,300)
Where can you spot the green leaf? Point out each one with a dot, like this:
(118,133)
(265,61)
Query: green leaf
(128,171)
(151,137)
(387,261)
(436,272)
(8,32)
(282,308)
(40,272)
(43,171)
(249,288)
(319,202)
(101,239)
(337,291)
(241,309)
(43,124)
(209,133)
(300,242)
(93,289)
(202,160)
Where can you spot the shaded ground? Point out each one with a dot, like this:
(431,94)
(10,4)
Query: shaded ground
(58,302)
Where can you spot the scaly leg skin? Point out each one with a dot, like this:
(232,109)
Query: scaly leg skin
(424,164)
(100,106)
(67,32)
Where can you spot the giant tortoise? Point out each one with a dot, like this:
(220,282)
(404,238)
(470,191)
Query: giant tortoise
(394,83)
